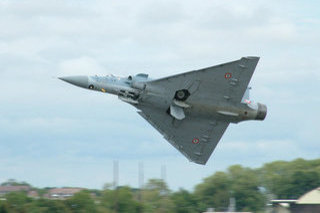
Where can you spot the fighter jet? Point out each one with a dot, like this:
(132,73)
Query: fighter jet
(191,110)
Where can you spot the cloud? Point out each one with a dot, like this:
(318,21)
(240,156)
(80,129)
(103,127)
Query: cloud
(45,123)
(81,66)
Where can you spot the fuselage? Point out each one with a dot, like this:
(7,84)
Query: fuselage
(135,90)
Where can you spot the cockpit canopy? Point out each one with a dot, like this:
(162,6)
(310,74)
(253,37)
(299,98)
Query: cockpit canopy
(142,75)
(138,77)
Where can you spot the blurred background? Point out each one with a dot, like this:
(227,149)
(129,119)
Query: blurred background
(54,134)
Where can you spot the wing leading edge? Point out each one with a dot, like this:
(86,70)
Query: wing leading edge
(214,84)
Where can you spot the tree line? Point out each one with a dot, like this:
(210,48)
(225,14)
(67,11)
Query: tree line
(251,190)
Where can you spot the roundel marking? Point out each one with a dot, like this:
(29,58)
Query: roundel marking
(227,75)
(195,141)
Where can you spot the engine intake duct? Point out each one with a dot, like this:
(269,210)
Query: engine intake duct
(138,85)
(262,112)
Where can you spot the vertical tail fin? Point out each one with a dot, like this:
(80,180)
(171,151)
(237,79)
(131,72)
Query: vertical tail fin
(246,96)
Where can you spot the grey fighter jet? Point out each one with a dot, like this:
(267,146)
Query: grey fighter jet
(191,110)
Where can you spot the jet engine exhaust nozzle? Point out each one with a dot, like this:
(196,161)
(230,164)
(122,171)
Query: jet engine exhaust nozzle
(262,112)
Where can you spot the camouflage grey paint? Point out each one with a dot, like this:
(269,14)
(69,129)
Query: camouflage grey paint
(191,110)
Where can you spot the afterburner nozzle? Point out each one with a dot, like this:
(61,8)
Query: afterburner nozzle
(80,81)
(262,112)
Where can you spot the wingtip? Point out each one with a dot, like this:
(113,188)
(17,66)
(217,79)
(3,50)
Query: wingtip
(200,162)
(252,57)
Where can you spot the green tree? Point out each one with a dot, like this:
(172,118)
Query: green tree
(17,202)
(156,197)
(214,191)
(81,202)
(245,189)
(50,206)
(13,182)
(184,202)
(302,182)
(120,200)
(4,208)
(239,183)
(290,180)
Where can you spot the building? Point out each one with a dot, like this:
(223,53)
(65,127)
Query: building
(309,202)
(211,210)
(53,193)
(8,189)
(62,193)
(33,194)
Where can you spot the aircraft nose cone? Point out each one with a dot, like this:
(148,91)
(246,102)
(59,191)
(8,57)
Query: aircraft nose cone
(80,81)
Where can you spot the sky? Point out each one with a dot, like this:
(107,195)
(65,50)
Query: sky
(55,134)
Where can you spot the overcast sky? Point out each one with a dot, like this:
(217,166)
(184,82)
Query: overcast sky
(55,134)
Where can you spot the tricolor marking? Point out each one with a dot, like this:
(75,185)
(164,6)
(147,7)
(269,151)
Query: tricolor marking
(227,75)
(195,141)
